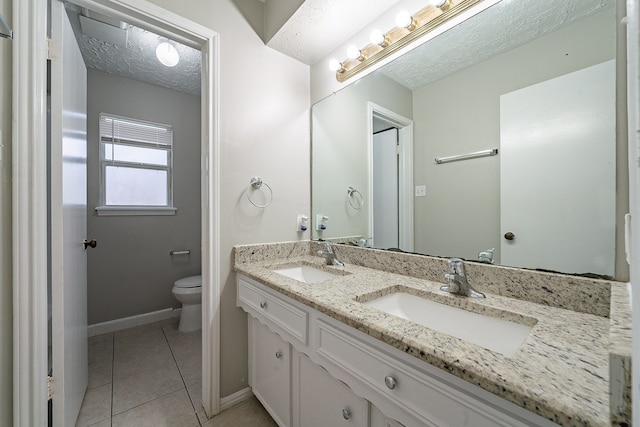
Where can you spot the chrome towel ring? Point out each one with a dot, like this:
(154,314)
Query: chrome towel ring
(354,196)
(255,184)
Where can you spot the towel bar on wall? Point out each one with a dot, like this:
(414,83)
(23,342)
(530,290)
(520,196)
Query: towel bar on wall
(474,155)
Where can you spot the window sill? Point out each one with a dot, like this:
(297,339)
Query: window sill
(135,211)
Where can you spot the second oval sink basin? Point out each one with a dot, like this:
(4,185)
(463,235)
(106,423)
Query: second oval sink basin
(494,334)
(306,274)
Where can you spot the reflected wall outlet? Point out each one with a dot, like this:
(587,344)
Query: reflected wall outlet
(421,190)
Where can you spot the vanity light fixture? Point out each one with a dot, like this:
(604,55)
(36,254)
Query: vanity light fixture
(354,53)
(167,54)
(438,3)
(379,38)
(335,65)
(405,20)
(409,28)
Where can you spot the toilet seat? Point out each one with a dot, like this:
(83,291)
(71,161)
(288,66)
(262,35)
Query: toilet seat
(189,282)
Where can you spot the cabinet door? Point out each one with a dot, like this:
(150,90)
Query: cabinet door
(270,365)
(319,400)
(378,419)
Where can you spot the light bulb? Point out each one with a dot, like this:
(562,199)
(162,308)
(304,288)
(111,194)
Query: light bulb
(437,3)
(377,37)
(167,54)
(353,52)
(335,65)
(404,19)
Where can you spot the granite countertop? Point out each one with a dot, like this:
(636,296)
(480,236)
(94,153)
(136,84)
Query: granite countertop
(561,371)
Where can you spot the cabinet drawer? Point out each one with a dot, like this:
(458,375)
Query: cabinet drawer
(427,400)
(288,319)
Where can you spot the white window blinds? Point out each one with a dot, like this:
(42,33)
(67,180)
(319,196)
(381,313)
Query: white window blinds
(122,130)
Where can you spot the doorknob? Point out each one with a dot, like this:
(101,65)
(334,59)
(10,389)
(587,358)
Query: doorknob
(92,243)
(509,235)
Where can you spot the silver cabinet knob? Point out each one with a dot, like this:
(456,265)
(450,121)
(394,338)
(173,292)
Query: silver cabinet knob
(390,382)
(263,304)
(278,355)
(346,413)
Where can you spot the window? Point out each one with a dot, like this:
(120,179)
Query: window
(135,166)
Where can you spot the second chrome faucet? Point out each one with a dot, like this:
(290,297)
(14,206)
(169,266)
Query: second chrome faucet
(329,254)
(457,280)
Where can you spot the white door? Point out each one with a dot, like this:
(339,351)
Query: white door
(68,211)
(557,173)
(385,189)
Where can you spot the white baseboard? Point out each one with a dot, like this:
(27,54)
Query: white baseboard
(128,322)
(235,398)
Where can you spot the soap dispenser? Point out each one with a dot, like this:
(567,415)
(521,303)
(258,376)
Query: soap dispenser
(321,222)
(302,224)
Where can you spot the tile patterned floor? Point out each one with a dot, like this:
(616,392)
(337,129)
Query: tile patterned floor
(150,375)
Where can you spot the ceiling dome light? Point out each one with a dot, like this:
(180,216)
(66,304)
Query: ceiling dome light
(437,3)
(378,37)
(167,54)
(335,65)
(353,52)
(404,20)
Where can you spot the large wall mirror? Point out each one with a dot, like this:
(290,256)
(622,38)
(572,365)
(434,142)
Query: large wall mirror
(518,104)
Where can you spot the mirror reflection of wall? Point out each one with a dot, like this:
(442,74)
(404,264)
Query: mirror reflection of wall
(454,113)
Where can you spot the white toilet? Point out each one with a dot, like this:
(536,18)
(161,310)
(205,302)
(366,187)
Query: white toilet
(189,292)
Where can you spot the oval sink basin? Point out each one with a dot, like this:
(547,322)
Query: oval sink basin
(498,335)
(306,274)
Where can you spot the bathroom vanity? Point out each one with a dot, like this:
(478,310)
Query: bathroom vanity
(324,352)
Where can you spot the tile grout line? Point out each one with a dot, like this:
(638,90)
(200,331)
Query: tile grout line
(195,411)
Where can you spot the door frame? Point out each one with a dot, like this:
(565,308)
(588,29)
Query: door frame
(405,171)
(29,202)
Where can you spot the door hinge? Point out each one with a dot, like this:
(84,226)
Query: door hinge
(398,149)
(53,49)
(49,387)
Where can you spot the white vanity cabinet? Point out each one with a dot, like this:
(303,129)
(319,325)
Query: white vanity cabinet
(270,371)
(336,375)
(319,400)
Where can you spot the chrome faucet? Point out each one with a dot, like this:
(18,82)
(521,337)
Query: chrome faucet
(457,280)
(329,254)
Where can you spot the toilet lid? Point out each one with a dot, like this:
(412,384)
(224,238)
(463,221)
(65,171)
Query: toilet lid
(189,282)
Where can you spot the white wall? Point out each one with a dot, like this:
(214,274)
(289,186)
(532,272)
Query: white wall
(339,151)
(461,114)
(6,312)
(130,272)
(264,130)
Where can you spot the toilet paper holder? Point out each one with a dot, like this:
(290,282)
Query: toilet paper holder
(186,252)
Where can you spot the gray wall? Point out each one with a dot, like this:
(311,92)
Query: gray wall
(460,114)
(6,294)
(131,271)
(339,151)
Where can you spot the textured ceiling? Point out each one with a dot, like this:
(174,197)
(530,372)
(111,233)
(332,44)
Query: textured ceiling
(502,27)
(137,60)
(319,26)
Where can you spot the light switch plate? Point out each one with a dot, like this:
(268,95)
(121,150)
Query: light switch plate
(421,190)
